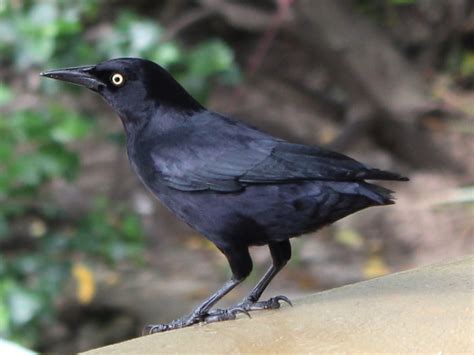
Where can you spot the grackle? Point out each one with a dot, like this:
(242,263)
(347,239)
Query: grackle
(236,185)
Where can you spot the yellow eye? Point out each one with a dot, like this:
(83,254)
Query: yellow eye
(117,79)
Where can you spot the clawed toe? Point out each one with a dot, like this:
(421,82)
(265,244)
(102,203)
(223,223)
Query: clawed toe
(211,317)
(225,314)
(176,324)
(155,328)
(277,299)
(218,315)
(272,303)
(238,309)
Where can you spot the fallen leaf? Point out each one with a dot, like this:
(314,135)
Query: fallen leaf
(85,283)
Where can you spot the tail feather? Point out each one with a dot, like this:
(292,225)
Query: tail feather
(376,174)
(376,193)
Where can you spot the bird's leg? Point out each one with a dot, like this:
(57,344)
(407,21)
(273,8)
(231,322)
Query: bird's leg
(241,265)
(251,303)
(281,253)
(198,315)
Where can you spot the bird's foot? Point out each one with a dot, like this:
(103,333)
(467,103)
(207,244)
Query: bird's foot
(186,321)
(220,315)
(194,318)
(248,305)
(272,303)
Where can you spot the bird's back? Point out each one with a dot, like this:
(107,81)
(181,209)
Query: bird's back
(212,152)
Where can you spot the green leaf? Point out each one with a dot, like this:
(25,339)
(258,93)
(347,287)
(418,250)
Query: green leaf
(467,64)
(6,94)
(167,54)
(6,152)
(70,129)
(210,58)
(24,305)
(5,284)
(25,171)
(349,237)
(59,161)
(4,228)
(144,35)
(131,227)
(43,14)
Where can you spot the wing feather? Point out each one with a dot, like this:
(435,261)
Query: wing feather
(226,155)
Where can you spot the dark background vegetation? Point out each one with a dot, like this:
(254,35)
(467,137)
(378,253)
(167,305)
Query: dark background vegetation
(87,256)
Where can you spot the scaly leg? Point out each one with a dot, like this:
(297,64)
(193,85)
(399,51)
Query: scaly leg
(281,253)
(200,313)
(241,265)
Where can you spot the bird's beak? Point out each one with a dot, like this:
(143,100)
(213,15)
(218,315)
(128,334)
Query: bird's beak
(79,75)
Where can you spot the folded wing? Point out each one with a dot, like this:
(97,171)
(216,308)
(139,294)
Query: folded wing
(226,155)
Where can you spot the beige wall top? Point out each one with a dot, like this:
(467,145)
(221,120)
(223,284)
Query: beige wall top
(430,309)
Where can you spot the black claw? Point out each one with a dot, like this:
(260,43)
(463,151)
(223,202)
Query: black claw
(239,309)
(225,314)
(218,315)
(155,328)
(284,299)
(147,330)
(272,303)
(176,324)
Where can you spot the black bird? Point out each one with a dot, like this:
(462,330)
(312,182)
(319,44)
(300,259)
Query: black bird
(236,185)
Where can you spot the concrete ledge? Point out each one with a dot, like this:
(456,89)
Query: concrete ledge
(429,309)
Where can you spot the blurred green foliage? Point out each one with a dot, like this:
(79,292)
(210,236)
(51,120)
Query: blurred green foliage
(66,33)
(33,148)
(40,243)
(460,65)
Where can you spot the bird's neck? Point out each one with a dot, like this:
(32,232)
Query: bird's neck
(154,123)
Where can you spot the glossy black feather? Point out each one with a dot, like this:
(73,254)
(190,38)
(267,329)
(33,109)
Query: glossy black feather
(222,154)
(236,185)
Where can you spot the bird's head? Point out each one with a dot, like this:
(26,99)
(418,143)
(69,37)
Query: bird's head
(133,87)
